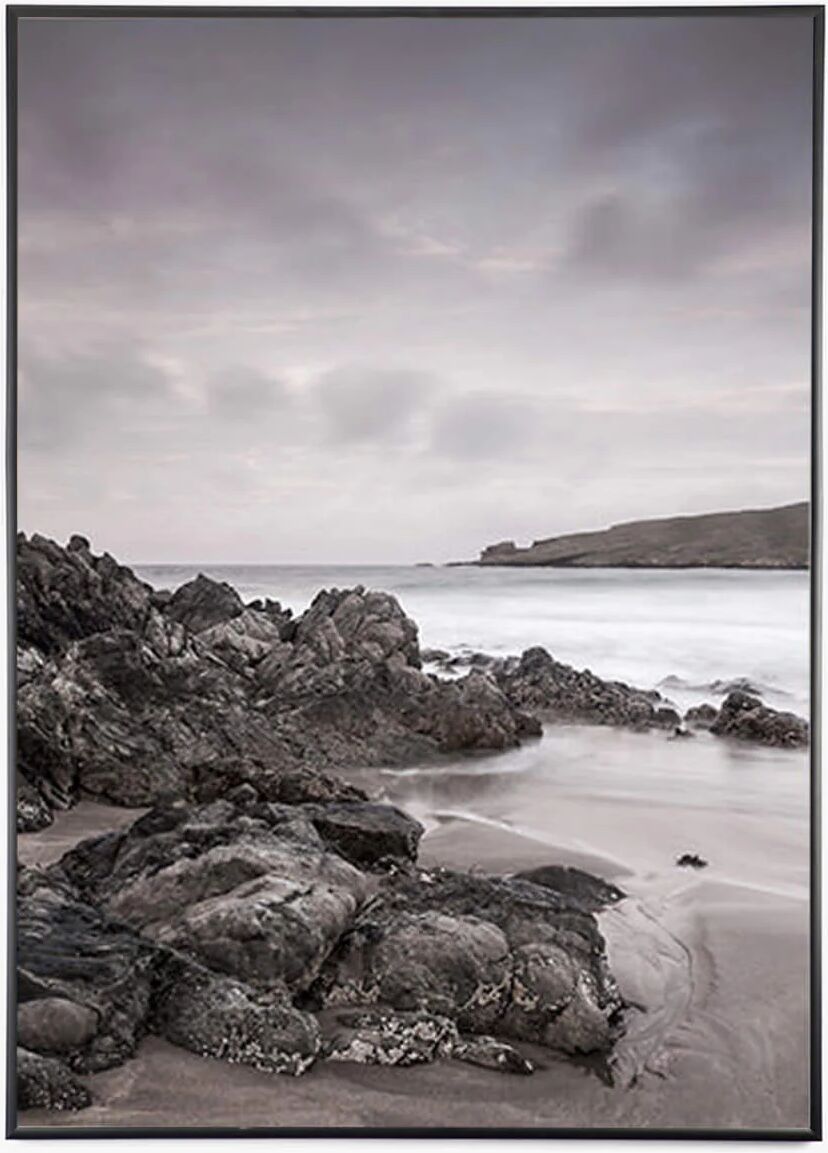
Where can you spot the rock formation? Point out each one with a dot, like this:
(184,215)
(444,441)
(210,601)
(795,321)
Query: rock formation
(278,935)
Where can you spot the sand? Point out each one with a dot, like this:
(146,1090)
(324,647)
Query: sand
(716,962)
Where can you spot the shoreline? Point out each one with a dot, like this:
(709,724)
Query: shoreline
(698,951)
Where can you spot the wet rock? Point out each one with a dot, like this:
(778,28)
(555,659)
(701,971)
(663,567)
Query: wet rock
(55,1025)
(540,685)
(203,603)
(691,861)
(390,1038)
(701,716)
(489,1053)
(46,1083)
(744,717)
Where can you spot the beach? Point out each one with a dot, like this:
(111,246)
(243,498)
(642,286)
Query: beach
(713,963)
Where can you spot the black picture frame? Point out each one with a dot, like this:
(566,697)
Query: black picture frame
(14,15)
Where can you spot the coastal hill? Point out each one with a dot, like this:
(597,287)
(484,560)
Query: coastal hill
(767,538)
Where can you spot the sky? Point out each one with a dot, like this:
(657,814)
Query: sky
(388,290)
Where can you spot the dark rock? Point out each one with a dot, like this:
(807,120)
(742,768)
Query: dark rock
(259,898)
(366,833)
(46,1083)
(55,1025)
(745,718)
(591,893)
(203,603)
(691,861)
(225,1019)
(680,733)
(67,594)
(33,813)
(83,959)
(496,956)
(701,716)
(538,684)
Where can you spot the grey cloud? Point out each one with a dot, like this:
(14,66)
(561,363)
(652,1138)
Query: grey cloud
(360,405)
(242,393)
(487,427)
(66,397)
(573,251)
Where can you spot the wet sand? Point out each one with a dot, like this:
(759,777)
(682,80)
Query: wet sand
(715,961)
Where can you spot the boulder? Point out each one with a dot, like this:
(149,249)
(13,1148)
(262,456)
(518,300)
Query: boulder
(55,1025)
(591,893)
(46,1083)
(496,956)
(701,716)
(366,833)
(203,603)
(744,718)
(221,1018)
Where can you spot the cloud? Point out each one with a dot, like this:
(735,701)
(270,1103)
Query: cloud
(487,427)
(242,393)
(508,269)
(371,405)
(66,399)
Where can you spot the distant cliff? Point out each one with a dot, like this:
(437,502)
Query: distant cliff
(767,538)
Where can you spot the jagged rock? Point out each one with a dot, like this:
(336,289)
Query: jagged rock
(67,594)
(46,1083)
(541,685)
(366,833)
(691,861)
(55,1025)
(203,603)
(490,1053)
(591,893)
(701,716)
(745,718)
(390,1038)
(132,697)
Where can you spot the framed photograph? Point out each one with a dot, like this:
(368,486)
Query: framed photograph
(413,513)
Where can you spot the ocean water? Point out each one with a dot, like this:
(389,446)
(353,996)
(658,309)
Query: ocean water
(689,628)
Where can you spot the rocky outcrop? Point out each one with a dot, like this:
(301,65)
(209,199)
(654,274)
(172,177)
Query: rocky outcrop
(278,935)
(127,696)
(542,686)
(203,603)
(66,594)
(744,717)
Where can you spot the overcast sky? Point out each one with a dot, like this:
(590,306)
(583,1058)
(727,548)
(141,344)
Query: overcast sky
(391,289)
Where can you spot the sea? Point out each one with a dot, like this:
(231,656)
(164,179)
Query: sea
(689,633)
